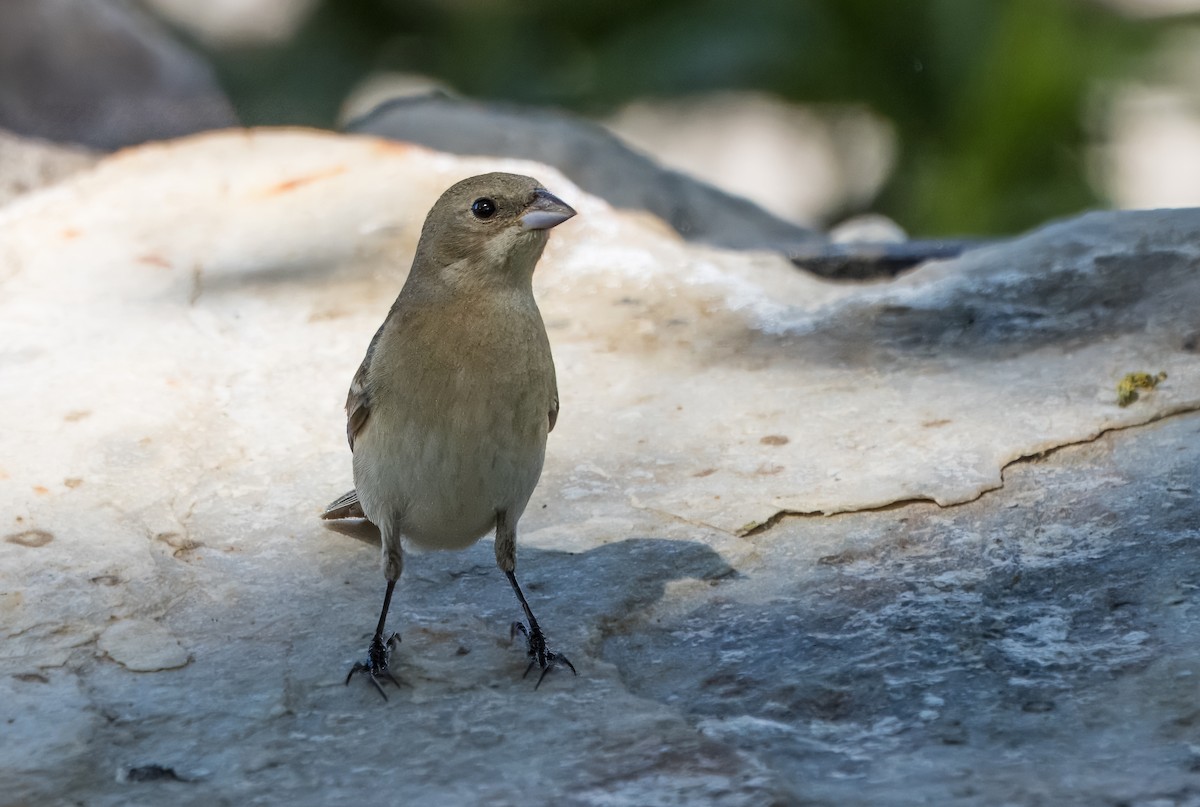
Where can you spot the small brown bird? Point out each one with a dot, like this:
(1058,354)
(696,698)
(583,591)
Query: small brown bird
(449,412)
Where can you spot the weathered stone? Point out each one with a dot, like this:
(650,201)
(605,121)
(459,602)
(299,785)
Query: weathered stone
(591,157)
(142,646)
(27,165)
(602,164)
(1020,633)
(1038,645)
(101,74)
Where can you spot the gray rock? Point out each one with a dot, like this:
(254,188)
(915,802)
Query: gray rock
(592,157)
(1038,646)
(602,164)
(102,74)
(27,164)
(999,612)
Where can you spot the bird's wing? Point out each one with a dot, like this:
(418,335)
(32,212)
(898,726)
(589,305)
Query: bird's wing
(358,402)
(358,399)
(344,506)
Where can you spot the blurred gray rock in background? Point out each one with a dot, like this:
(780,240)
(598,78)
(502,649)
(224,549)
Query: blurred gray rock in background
(808,163)
(592,157)
(102,74)
(244,23)
(600,163)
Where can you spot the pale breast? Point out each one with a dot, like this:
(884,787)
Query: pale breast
(458,427)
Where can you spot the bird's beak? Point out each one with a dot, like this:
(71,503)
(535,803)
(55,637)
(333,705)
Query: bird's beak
(545,211)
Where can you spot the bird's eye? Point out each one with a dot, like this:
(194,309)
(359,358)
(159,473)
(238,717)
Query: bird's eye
(483,208)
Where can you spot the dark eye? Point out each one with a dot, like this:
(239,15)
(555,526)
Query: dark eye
(483,208)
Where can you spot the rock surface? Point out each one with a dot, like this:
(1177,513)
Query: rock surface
(27,164)
(101,74)
(592,157)
(602,164)
(1037,646)
(141,646)
(177,329)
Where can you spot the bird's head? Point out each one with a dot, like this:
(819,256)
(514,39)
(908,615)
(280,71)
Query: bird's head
(489,226)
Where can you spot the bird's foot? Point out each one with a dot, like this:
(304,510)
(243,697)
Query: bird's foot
(376,665)
(539,656)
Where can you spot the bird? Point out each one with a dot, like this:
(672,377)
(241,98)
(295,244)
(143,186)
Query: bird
(449,412)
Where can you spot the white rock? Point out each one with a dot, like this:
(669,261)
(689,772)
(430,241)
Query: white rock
(178,327)
(142,646)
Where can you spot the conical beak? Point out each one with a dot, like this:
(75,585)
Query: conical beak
(545,211)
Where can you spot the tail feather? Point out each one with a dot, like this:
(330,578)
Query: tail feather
(344,506)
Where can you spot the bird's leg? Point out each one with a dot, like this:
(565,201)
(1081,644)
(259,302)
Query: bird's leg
(380,651)
(506,559)
(535,639)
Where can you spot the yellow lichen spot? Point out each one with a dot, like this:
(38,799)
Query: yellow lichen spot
(1127,389)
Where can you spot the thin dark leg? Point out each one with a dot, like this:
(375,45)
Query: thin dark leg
(378,655)
(516,587)
(538,654)
(387,604)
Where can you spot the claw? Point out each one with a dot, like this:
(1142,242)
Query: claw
(376,665)
(538,654)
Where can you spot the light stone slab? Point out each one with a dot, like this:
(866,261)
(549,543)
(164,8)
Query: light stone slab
(142,646)
(178,326)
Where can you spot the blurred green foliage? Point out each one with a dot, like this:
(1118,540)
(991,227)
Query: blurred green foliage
(990,98)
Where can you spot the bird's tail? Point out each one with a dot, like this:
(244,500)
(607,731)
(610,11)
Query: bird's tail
(344,506)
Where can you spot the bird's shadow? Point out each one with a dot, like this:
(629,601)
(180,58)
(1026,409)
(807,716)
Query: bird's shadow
(586,593)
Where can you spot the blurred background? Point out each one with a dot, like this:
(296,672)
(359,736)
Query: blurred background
(951,117)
